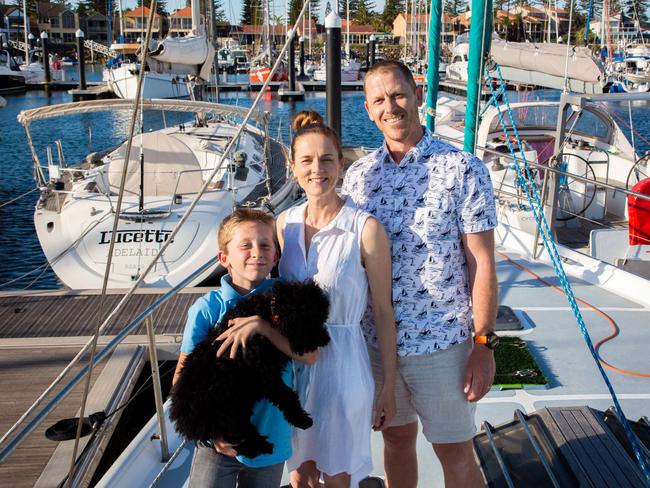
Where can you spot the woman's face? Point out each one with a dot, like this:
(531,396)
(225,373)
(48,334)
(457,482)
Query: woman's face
(316,164)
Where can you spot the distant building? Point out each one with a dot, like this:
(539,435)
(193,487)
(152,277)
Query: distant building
(11,23)
(621,30)
(359,33)
(59,21)
(95,28)
(135,24)
(414,29)
(180,22)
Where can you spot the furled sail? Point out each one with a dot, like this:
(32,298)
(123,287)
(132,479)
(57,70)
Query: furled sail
(180,53)
(544,65)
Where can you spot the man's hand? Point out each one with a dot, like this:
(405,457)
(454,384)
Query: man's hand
(222,447)
(240,329)
(479,373)
(385,408)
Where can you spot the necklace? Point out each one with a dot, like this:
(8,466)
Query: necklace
(309,222)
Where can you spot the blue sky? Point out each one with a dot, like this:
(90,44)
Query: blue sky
(233,7)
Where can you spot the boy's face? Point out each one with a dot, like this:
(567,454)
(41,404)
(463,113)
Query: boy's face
(250,255)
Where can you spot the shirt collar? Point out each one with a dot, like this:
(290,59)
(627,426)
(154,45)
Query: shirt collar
(421,149)
(228,293)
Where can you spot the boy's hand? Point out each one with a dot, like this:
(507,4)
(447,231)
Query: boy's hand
(222,447)
(240,329)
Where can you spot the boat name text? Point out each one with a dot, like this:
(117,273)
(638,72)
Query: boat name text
(128,236)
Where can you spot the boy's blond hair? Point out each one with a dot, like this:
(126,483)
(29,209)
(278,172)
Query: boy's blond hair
(229,225)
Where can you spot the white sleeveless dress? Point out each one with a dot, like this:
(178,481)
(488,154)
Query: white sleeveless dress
(337,391)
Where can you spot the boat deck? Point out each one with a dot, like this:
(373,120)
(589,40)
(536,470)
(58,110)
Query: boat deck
(550,330)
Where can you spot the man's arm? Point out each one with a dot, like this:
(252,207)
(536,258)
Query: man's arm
(479,253)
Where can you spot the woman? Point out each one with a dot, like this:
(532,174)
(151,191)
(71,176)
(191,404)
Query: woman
(347,252)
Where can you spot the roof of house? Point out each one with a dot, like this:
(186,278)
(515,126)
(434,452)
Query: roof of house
(182,12)
(356,28)
(140,12)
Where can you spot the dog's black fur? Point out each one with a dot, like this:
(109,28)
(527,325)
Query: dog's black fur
(214,397)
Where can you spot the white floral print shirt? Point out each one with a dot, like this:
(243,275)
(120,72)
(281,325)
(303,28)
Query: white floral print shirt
(426,202)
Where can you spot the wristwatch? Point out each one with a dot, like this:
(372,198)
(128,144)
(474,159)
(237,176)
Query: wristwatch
(489,340)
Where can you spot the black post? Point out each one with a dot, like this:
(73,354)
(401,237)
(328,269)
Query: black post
(292,64)
(46,57)
(31,40)
(367,55)
(2,41)
(372,49)
(302,57)
(81,58)
(333,70)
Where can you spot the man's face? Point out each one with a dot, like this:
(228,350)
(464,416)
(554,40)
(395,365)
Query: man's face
(392,104)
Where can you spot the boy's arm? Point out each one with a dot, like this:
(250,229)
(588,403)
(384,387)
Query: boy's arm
(243,328)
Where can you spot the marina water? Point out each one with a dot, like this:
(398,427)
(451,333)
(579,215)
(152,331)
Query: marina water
(20,251)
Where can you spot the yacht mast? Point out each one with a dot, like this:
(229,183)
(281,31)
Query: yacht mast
(26,27)
(347,30)
(119,9)
(196,17)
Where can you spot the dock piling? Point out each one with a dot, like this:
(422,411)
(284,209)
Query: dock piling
(81,59)
(292,64)
(46,57)
(301,43)
(372,44)
(333,70)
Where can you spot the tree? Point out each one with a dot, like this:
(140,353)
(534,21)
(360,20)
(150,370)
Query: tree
(161,5)
(455,7)
(365,12)
(391,9)
(251,12)
(637,9)
(328,8)
(219,14)
(85,8)
(295,6)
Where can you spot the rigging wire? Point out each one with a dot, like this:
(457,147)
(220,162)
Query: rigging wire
(4,204)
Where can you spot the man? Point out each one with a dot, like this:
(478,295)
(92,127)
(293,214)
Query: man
(437,205)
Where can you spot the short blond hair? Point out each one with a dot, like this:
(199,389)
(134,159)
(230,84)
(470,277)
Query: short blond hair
(230,224)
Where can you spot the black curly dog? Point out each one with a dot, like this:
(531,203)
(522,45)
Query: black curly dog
(214,397)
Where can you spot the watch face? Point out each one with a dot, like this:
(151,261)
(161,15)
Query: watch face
(492,340)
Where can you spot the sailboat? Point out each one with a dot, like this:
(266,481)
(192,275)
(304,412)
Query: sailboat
(168,64)
(12,80)
(260,65)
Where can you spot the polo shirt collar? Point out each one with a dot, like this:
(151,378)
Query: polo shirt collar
(228,293)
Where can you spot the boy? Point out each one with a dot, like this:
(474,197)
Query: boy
(248,250)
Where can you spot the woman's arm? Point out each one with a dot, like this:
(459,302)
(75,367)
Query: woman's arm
(376,256)
(241,329)
(279,228)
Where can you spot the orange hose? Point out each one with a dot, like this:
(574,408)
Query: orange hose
(616,329)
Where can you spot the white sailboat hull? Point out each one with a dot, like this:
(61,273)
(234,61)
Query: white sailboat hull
(124,81)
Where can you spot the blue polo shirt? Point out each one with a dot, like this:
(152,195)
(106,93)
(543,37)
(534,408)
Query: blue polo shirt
(204,315)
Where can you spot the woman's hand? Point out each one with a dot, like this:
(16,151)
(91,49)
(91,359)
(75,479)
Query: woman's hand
(223,447)
(385,408)
(240,330)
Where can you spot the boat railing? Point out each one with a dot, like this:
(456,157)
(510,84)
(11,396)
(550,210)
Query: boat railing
(512,191)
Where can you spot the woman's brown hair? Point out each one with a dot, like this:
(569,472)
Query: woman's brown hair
(310,122)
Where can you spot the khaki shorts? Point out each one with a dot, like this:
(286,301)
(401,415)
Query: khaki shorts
(430,387)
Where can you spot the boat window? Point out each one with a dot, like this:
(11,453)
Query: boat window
(536,116)
(590,124)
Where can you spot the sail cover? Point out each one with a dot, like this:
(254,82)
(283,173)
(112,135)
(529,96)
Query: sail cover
(182,50)
(166,162)
(544,65)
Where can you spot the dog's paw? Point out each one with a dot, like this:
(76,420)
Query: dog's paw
(303,421)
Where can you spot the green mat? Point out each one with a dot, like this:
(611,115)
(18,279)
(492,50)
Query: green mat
(516,367)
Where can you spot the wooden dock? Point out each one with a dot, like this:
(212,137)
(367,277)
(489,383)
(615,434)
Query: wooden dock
(40,332)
